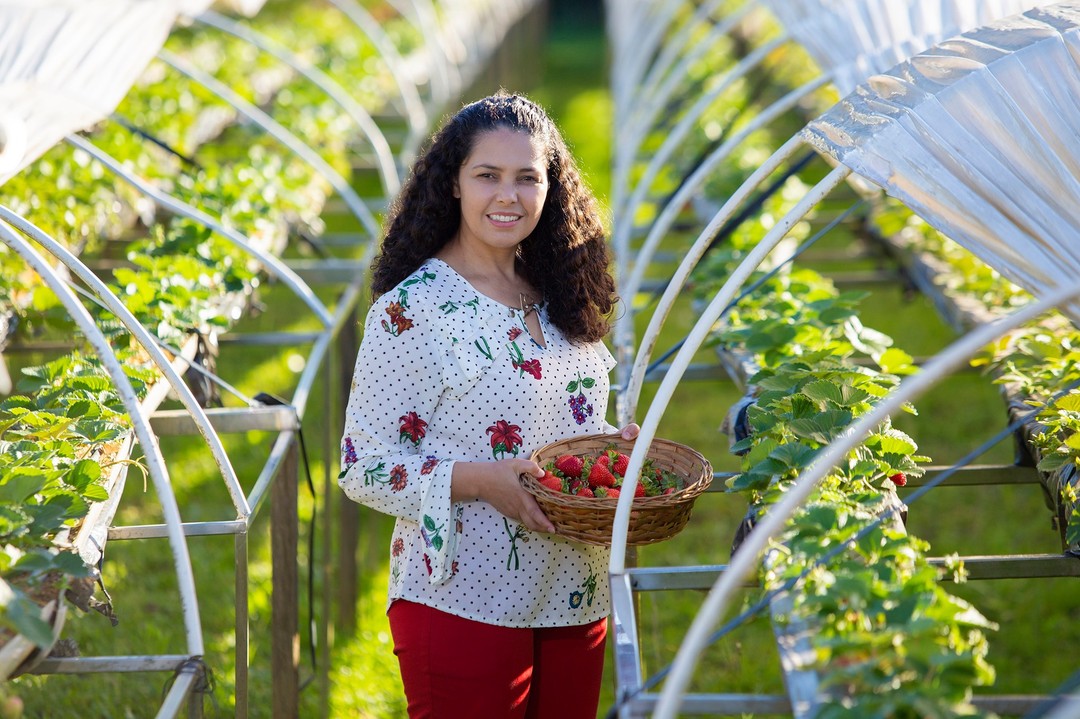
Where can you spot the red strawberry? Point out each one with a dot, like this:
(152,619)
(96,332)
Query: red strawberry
(620,464)
(612,492)
(585,492)
(600,475)
(569,465)
(552,482)
(639,490)
(669,490)
(899,479)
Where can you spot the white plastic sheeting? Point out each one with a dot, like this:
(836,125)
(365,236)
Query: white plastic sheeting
(854,39)
(979,137)
(66,64)
(249,8)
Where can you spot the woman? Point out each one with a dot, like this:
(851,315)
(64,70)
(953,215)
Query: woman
(483,344)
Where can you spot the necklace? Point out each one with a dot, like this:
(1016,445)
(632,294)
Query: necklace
(526,306)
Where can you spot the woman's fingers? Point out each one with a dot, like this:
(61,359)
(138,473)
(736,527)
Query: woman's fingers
(630,431)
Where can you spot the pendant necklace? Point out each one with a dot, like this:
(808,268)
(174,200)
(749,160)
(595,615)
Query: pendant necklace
(526,306)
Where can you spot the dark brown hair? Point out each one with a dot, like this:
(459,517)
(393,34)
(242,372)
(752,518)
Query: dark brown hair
(565,257)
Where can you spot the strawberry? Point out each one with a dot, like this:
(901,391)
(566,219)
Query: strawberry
(618,466)
(600,475)
(552,482)
(899,479)
(569,465)
(669,490)
(585,492)
(639,490)
(612,492)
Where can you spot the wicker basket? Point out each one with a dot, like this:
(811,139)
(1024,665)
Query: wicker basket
(652,519)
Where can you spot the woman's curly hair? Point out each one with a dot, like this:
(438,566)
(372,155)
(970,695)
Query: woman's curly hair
(565,257)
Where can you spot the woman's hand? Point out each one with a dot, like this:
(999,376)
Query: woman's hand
(630,431)
(498,484)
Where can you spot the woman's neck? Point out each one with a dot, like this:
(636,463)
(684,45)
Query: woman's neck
(495,274)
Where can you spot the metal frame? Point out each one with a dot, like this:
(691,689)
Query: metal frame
(627,32)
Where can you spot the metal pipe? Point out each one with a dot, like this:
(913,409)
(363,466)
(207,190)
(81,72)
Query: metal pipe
(388,170)
(151,452)
(213,441)
(773,521)
(273,265)
(636,377)
(285,136)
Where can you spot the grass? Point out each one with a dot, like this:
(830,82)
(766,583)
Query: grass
(1033,649)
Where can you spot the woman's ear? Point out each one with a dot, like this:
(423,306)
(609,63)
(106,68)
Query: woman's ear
(456,190)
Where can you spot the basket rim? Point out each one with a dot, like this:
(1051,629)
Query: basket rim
(687,494)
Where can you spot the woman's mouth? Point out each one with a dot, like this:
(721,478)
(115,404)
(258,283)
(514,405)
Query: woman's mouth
(499,219)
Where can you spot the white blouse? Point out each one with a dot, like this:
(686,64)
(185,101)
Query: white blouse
(445,373)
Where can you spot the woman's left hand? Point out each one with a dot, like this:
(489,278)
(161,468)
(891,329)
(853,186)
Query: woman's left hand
(630,431)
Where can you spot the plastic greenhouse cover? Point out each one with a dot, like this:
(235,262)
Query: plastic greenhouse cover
(66,64)
(249,8)
(854,39)
(978,136)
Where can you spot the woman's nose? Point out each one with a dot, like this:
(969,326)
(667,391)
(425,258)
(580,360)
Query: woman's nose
(507,192)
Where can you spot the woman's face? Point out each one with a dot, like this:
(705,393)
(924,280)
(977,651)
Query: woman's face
(502,186)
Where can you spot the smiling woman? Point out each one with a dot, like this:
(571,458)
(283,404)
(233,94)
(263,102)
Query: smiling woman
(494,274)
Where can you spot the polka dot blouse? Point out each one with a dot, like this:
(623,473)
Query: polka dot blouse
(445,373)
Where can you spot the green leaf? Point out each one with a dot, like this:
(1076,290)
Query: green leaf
(1070,402)
(83,473)
(21,483)
(822,428)
(437,542)
(893,441)
(23,616)
(572,387)
(429,523)
(588,382)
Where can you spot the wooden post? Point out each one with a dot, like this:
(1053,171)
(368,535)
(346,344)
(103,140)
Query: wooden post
(284,600)
(349,511)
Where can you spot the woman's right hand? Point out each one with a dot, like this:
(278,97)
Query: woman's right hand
(498,484)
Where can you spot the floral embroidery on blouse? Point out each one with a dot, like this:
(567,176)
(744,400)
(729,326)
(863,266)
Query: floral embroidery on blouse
(578,401)
(412,427)
(505,437)
(522,365)
(398,321)
(589,587)
(518,533)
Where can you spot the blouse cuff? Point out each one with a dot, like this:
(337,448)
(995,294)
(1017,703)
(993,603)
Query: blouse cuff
(440,525)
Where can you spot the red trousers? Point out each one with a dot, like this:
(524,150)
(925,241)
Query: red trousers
(455,668)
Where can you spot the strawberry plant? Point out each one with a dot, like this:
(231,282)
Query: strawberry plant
(880,616)
(1035,363)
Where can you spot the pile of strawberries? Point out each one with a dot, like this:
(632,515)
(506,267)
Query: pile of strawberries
(602,476)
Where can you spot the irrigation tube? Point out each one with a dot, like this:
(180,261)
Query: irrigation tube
(148,342)
(276,267)
(1068,708)
(632,387)
(282,134)
(415,114)
(773,521)
(384,155)
(189,605)
(682,360)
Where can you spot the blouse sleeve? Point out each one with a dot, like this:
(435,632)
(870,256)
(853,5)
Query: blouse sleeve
(396,386)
